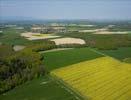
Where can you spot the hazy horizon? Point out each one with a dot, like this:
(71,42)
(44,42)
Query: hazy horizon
(66,9)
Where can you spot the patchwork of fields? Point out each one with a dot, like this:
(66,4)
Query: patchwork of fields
(88,73)
(98,79)
(46,89)
(100,69)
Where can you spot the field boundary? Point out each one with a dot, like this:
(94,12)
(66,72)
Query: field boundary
(68,88)
(101,53)
(98,52)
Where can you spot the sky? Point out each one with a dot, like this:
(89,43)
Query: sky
(66,9)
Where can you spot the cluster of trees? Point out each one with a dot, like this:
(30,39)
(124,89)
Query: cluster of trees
(21,66)
(72,46)
(46,45)
(39,45)
(1,33)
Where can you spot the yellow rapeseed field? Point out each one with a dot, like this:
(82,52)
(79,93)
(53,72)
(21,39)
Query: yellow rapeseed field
(103,78)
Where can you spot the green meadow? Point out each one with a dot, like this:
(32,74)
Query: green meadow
(57,59)
(120,53)
(43,88)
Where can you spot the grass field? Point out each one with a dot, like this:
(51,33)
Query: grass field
(43,88)
(103,78)
(12,36)
(120,53)
(57,59)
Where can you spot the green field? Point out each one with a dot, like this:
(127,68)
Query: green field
(57,59)
(43,88)
(120,53)
(12,36)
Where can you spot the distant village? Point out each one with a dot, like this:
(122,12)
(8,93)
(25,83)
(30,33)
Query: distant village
(61,28)
(47,28)
(53,28)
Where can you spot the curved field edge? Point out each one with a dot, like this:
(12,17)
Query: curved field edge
(43,88)
(118,69)
(67,87)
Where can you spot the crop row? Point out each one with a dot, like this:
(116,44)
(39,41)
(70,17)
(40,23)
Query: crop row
(98,79)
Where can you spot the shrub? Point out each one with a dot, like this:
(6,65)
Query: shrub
(19,67)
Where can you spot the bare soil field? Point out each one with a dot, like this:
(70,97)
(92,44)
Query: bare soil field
(94,30)
(68,41)
(37,36)
(84,31)
(107,32)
